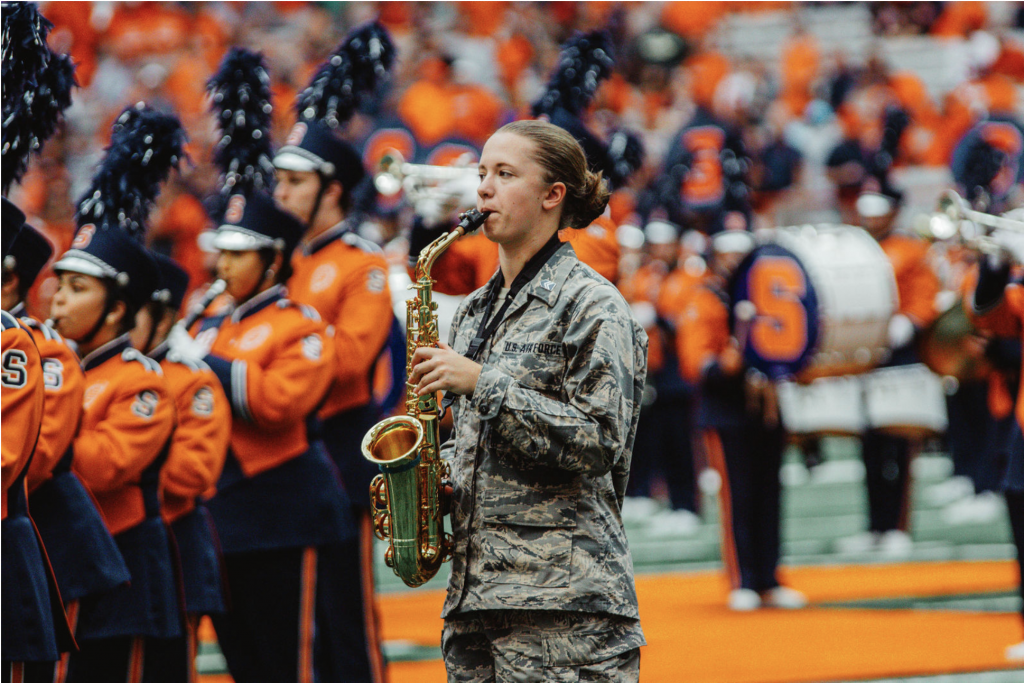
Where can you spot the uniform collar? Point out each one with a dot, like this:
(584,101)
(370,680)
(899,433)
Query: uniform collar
(552,276)
(325,238)
(548,282)
(258,303)
(112,348)
(19,310)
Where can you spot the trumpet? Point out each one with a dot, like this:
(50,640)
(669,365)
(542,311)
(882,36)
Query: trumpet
(419,181)
(955,219)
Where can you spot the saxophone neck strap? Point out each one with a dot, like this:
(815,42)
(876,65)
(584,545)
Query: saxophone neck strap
(488,323)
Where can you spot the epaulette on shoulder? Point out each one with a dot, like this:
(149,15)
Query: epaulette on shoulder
(132,354)
(9,321)
(370,247)
(48,332)
(306,310)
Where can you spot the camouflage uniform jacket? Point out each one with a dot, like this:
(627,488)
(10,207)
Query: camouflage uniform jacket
(541,450)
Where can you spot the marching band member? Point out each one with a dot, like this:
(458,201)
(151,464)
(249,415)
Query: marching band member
(745,447)
(196,455)
(997,305)
(343,277)
(33,618)
(83,555)
(663,440)
(279,498)
(886,457)
(543,431)
(133,631)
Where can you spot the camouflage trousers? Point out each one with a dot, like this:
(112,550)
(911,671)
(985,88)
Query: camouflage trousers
(536,646)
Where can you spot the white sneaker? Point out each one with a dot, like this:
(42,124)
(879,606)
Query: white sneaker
(944,493)
(983,508)
(784,597)
(709,481)
(639,509)
(895,544)
(744,600)
(674,523)
(1015,653)
(862,542)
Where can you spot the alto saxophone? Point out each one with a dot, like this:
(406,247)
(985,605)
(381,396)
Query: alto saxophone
(408,497)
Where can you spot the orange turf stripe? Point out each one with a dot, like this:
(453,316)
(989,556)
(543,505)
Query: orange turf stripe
(17,672)
(716,456)
(371,619)
(692,636)
(136,660)
(307,615)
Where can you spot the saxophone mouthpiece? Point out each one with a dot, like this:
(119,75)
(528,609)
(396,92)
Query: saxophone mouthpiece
(472,219)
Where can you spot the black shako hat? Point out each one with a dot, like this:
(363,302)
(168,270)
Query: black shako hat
(252,221)
(173,281)
(29,254)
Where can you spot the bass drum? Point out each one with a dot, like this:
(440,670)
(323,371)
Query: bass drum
(822,295)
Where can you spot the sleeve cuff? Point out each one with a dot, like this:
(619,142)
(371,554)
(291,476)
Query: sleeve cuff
(489,394)
(233,378)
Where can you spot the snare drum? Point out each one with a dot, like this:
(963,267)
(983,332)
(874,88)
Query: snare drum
(823,297)
(906,401)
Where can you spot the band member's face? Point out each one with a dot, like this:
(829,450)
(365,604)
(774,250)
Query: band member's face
(77,305)
(296,193)
(512,188)
(241,272)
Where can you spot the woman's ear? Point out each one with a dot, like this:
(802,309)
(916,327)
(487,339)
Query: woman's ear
(116,314)
(555,196)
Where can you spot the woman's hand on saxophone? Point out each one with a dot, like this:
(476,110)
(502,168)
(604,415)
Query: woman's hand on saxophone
(442,369)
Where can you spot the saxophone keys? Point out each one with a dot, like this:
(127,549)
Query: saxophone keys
(379,493)
(382,526)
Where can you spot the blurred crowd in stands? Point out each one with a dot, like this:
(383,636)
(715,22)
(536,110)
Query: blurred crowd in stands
(465,68)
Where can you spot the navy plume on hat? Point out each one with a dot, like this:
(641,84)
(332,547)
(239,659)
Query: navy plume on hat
(355,72)
(114,211)
(241,98)
(37,87)
(28,255)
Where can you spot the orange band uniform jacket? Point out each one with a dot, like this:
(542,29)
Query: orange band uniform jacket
(916,280)
(344,278)
(22,400)
(1005,320)
(127,420)
(470,261)
(702,333)
(200,442)
(275,361)
(64,389)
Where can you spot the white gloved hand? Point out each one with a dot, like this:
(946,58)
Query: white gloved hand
(462,190)
(182,345)
(1010,241)
(901,331)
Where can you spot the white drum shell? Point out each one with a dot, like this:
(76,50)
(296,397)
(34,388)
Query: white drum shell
(856,292)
